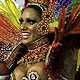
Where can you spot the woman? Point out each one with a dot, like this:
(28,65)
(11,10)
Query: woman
(29,35)
(28,23)
(42,61)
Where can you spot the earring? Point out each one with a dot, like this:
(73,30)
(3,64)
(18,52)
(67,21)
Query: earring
(42,28)
(47,17)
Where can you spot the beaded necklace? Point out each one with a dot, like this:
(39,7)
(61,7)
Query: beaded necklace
(37,52)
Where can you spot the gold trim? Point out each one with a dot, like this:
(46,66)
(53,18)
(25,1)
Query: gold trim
(44,2)
(38,43)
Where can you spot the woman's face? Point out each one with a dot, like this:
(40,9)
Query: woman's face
(29,21)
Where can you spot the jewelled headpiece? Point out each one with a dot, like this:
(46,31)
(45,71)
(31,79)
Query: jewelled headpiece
(43,2)
(50,14)
(40,3)
(47,15)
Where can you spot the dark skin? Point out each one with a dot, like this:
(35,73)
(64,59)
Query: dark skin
(3,69)
(22,71)
(28,25)
(29,21)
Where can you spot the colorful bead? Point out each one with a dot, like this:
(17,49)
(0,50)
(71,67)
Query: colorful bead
(47,16)
(42,28)
(33,75)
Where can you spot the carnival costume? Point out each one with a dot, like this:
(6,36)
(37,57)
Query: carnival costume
(59,17)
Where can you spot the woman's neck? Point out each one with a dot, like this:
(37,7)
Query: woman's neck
(42,41)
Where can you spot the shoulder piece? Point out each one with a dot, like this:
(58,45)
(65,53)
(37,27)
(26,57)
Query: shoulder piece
(15,55)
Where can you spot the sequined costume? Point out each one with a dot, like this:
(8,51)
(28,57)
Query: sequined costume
(59,18)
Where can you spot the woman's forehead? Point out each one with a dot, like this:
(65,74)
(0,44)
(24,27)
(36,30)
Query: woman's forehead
(30,13)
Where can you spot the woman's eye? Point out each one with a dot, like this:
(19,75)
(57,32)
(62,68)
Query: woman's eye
(31,22)
(21,20)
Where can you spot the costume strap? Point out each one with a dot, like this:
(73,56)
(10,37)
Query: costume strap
(15,56)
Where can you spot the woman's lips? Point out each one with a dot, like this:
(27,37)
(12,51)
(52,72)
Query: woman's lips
(25,35)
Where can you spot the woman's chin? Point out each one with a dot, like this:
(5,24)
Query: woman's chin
(26,41)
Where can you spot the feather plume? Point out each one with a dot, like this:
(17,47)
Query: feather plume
(10,11)
(8,32)
(54,63)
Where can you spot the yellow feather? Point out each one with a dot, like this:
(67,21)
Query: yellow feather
(10,17)
(10,11)
(78,61)
(14,10)
(2,6)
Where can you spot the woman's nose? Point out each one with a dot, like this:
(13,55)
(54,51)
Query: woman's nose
(23,27)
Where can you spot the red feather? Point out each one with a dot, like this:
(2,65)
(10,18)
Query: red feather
(26,1)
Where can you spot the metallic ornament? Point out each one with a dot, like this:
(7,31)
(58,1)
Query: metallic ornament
(44,2)
(33,75)
(11,76)
(24,78)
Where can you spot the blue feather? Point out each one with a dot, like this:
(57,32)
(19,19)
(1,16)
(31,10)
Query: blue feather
(59,7)
(69,9)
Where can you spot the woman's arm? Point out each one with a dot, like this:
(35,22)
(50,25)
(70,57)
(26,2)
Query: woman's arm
(4,71)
